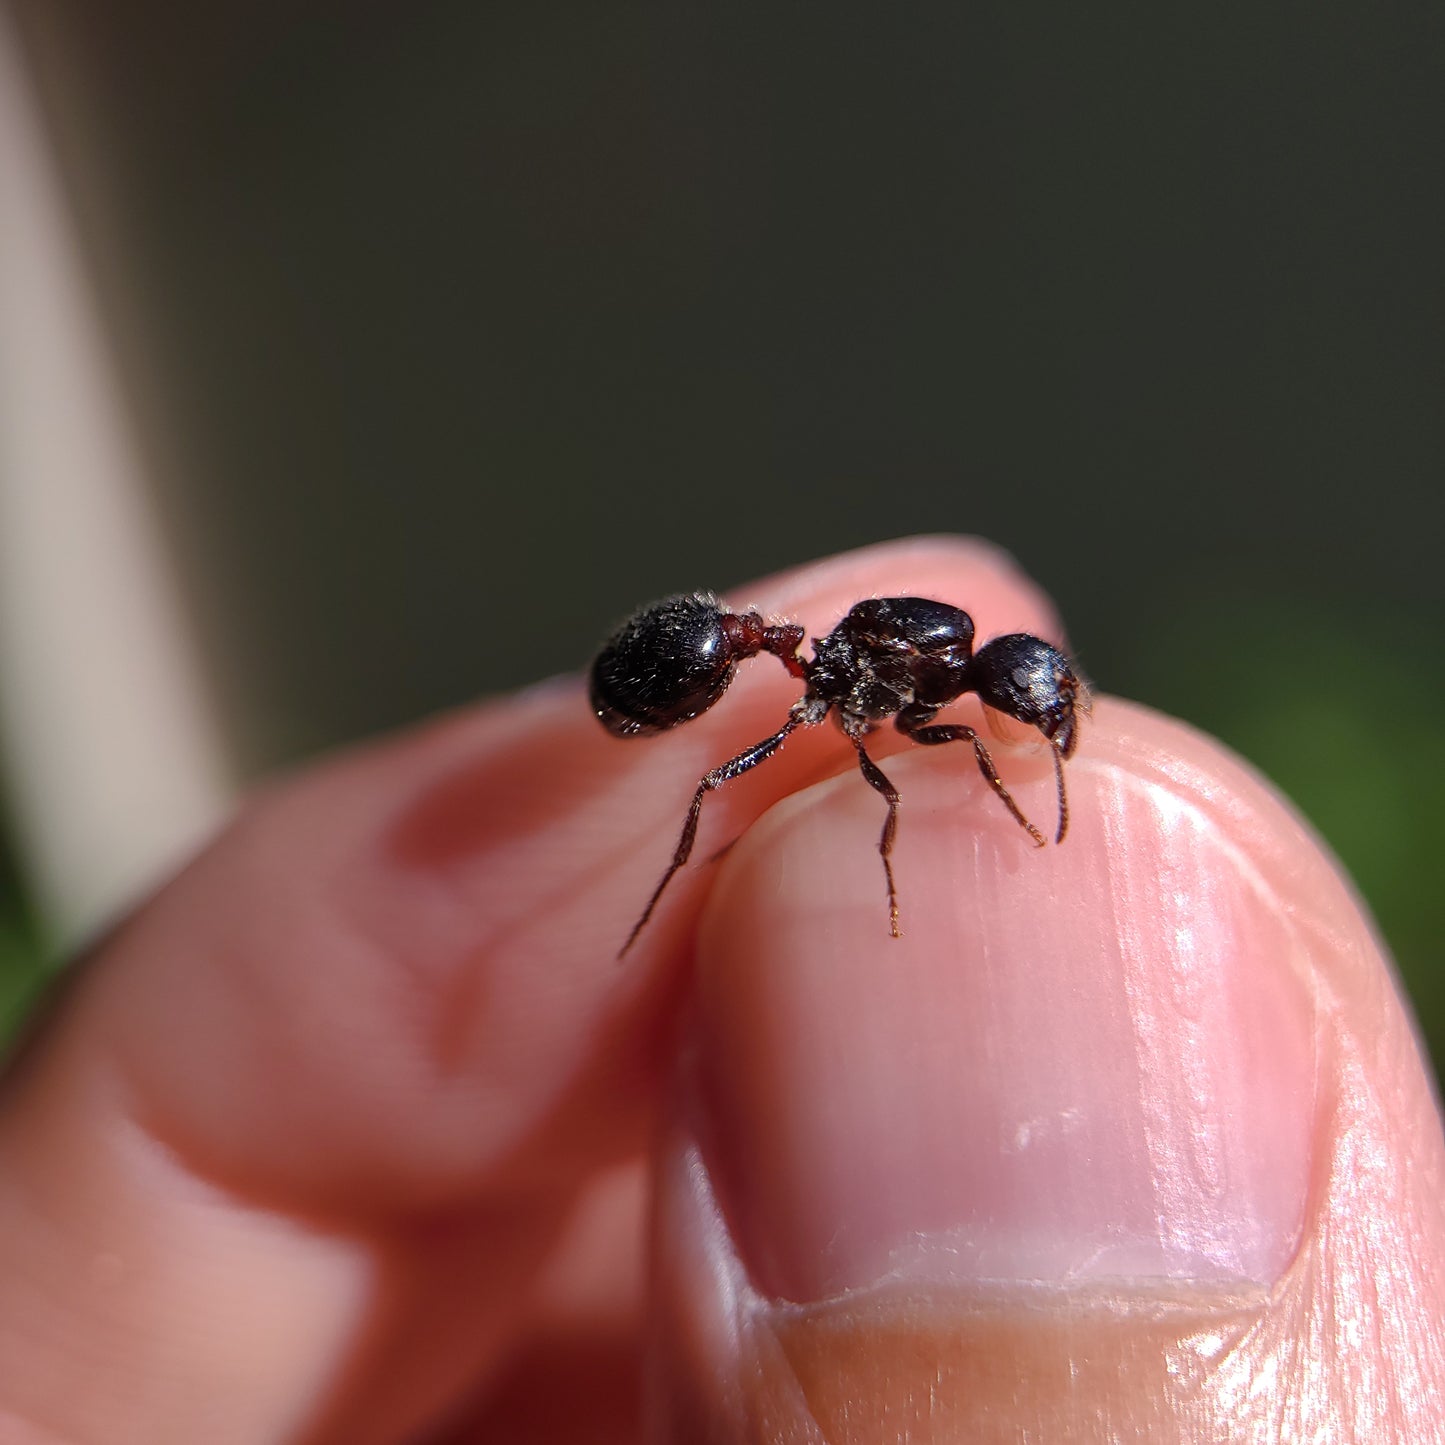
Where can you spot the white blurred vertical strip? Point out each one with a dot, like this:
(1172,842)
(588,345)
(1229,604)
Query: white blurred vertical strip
(111,761)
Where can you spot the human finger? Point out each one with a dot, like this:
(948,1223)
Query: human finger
(292,1151)
(1127,1138)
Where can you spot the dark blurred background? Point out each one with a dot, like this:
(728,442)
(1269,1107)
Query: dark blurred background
(458,330)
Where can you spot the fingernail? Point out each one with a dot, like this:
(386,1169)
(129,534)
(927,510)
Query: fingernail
(1092,1062)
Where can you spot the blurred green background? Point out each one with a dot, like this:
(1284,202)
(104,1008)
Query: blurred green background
(459,330)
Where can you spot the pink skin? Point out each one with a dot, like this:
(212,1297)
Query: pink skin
(349,1131)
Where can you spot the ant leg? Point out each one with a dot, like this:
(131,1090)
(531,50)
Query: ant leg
(878,780)
(959,732)
(1058,753)
(747,759)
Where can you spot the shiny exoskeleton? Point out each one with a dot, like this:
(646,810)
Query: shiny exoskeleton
(898,657)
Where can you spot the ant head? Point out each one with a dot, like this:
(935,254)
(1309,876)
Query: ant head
(669,662)
(1025,678)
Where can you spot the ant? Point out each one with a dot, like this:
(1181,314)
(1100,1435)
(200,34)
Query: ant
(898,657)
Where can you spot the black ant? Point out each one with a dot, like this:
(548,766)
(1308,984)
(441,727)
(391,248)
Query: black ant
(898,657)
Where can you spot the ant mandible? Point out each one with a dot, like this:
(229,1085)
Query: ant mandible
(898,657)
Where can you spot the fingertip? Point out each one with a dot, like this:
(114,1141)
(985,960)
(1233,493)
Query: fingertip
(1101,1103)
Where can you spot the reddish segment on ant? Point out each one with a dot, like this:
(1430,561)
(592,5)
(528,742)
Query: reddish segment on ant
(898,657)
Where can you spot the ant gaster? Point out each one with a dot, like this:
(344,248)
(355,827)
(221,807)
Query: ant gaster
(898,657)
